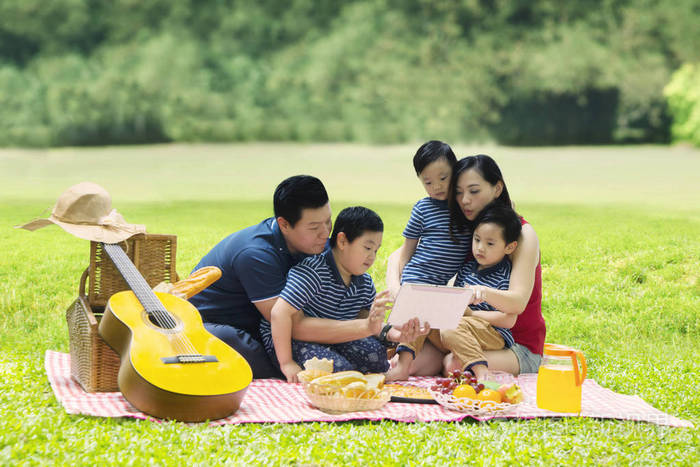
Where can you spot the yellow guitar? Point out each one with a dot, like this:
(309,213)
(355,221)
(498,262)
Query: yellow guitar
(171,367)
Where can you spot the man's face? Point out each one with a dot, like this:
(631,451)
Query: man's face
(310,233)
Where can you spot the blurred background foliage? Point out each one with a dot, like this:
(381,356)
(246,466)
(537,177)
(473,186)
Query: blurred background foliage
(518,72)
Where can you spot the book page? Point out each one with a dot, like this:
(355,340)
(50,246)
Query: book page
(441,306)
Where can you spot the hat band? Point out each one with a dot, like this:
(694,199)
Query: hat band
(111,221)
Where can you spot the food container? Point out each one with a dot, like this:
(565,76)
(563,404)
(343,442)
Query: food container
(472,406)
(331,399)
(93,363)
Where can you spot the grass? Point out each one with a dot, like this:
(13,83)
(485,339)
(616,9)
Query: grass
(620,282)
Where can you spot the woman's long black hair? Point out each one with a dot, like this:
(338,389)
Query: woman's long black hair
(488,169)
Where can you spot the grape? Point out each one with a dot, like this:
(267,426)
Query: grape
(479,387)
(456,374)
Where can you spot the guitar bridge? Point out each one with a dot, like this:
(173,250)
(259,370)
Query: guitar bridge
(189,358)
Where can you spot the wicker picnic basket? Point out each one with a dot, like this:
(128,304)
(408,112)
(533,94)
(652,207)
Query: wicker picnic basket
(93,363)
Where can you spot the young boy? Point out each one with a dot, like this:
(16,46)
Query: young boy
(496,232)
(429,254)
(333,285)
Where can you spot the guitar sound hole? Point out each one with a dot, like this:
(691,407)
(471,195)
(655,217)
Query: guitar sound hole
(162,320)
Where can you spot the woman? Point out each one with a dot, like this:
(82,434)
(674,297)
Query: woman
(477,181)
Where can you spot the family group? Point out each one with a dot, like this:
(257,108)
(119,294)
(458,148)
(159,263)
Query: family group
(295,286)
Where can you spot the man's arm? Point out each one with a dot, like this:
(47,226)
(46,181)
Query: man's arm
(265,307)
(331,331)
(321,330)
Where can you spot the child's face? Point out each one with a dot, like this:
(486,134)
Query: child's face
(436,178)
(488,245)
(359,255)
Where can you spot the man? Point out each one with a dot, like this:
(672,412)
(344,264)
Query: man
(254,263)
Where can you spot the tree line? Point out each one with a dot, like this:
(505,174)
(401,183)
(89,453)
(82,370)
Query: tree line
(520,72)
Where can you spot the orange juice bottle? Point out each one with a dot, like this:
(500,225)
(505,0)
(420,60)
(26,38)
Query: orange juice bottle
(559,379)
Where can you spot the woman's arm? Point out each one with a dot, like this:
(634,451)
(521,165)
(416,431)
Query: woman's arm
(522,277)
(496,318)
(282,316)
(396,262)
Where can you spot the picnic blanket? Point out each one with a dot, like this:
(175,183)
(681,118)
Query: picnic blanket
(276,401)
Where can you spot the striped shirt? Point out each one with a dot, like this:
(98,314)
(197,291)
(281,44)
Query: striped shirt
(496,277)
(316,287)
(437,257)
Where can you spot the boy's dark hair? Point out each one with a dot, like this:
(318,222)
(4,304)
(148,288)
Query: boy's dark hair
(503,216)
(297,193)
(355,221)
(430,152)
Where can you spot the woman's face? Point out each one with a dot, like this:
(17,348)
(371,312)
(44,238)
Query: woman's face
(473,193)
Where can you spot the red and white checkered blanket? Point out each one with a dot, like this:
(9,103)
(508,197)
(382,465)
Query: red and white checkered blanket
(270,401)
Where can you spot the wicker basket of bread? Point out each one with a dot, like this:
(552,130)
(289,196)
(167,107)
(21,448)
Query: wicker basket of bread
(343,391)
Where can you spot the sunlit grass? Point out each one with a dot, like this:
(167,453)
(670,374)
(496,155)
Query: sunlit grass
(620,283)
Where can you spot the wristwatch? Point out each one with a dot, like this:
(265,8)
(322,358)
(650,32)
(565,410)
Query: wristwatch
(382,337)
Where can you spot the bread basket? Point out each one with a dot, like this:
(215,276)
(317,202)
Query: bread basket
(331,399)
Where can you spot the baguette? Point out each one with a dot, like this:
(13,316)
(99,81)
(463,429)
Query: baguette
(198,281)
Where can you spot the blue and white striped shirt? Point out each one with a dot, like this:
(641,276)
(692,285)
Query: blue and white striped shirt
(437,257)
(316,287)
(497,277)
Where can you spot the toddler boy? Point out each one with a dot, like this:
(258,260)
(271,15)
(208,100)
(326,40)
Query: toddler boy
(495,236)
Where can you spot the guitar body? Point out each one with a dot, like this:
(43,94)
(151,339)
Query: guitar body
(184,391)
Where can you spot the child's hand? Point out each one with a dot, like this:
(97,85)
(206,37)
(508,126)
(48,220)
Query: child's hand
(393,292)
(409,331)
(290,370)
(375,320)
(479,294)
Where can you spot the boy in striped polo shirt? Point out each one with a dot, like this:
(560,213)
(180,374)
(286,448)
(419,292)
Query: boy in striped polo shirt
(429,254)
(497,229)
(482,327)
(333,285)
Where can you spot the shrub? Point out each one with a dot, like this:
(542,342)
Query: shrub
(683,94)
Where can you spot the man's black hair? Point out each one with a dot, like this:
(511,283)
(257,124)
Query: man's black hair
(503,216)
(355,221)
(297,193)
(430,152)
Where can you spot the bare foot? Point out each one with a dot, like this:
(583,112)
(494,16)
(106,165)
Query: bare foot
(397,373)
(393,361)
(480,371)
(449,363)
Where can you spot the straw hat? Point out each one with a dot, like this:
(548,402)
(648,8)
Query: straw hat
(85,210)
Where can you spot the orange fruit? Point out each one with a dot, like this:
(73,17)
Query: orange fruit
(464,390)
(489,397)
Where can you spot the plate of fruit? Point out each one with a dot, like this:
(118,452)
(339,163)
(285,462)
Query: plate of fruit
(463,393)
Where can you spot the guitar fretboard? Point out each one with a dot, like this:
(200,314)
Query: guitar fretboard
(136,282)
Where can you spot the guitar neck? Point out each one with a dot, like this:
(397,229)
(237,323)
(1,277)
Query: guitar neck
(133,278)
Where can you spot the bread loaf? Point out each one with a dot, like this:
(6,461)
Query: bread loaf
(198,281)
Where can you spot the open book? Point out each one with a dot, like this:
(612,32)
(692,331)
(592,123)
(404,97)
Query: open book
(441,306)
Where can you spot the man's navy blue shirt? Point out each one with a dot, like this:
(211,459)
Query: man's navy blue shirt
(254,263)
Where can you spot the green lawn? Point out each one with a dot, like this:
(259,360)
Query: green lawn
(618,228)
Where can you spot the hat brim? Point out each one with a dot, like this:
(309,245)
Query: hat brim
(95,233)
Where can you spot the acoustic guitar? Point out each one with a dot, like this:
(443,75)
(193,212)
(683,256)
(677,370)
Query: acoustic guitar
(171,367)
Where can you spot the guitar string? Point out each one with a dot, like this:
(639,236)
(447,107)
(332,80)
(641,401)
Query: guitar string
(163,320)
(162,316)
